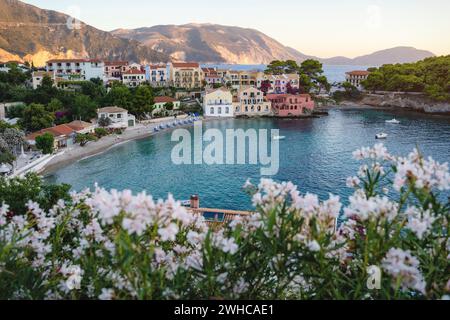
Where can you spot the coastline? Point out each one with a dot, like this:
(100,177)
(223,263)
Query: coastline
(103,145)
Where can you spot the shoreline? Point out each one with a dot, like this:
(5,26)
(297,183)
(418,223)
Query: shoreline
(103,145)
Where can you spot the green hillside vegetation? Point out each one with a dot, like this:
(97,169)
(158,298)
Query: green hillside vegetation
(430,76)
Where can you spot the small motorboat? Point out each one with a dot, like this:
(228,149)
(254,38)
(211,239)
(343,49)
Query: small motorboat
(393,121)
(381,135)
(278,137)
(156,130)
(186,203)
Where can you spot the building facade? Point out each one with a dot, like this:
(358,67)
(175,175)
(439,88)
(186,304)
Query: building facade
(119,117)
(157,75)
(185,75)
(288,105)
(160,105)
(218,103)
(251,102)
(279,84)
(115,69)
(77,69)
(133,78)
(356,77)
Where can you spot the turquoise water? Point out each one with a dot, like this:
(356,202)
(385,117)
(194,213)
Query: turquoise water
(316,155)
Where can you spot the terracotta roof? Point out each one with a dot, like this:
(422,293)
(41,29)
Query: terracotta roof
(56,131)
(134,71)
(358,73)
(42,73)
(111,110)
(157,66)
(78,125)
(164,99)
(185,65)
(116,63)
(73,60)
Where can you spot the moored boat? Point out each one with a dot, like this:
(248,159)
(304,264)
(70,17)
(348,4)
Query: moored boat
(393,121)
(381,135)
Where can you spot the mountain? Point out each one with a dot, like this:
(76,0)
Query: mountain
(212,43)
(32,34)
(224,44)
(393,55)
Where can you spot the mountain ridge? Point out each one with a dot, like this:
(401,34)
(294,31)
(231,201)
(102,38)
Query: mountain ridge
(33,34)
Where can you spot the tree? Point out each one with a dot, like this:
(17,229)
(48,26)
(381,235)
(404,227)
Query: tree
(265,86)
(7,157)
(311,68)
(278,67)
(83,107)
(16,192)
(15,111)
(101,132)
(375,81)
(120,96)
(45,143)
(143,101)
(13,138)
(104,122)
(36,117)
(322,83)
(291,90)
(83,139)
(168,106)
(54,105)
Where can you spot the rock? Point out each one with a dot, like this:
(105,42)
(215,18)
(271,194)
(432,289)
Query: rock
(413,101)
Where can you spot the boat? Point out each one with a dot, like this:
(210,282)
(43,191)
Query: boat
(278,137)
(155,129)
(186,203)
(381,135)
(393,121)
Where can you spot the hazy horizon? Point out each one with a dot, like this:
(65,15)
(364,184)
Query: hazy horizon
(323,28)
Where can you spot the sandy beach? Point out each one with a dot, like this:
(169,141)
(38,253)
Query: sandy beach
(93,148)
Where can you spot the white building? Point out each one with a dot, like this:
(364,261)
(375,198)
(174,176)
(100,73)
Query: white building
(119,117)
(77,69)
(157,75)
(5,66)
(133,78)
(356,77)
(218,103)
(278,83)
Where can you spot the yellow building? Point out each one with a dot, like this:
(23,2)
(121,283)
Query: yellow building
(251,102)
(186,75)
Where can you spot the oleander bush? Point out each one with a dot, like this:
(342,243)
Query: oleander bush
(115,245)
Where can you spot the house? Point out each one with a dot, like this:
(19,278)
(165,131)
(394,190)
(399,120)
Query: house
(288,105)
(82,127)
(135,66)
(160,104)
(119,117)
(251,102)
(5,66)
(279,84)
(218,103)
(133,77)
(38,76)
(240,80)
(157,75)
(186,75)
(356,77)
(211,77)
(115,69)
(63,134)
(77,69)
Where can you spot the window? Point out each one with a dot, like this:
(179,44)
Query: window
(227,110)
(119,116)
(212,110)
(220,110)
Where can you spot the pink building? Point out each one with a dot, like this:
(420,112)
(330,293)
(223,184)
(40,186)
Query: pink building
(288,105)
(115,69)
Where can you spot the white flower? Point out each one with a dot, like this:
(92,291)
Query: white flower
(228,245)
(404,269)
(353,182)
(169,233)
(313,246)
(107,294)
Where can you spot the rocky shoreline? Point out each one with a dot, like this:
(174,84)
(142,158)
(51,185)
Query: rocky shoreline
(414,101)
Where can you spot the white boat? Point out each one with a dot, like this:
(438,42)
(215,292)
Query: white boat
(381,136)
(278,137)
(186,203)
(393,121)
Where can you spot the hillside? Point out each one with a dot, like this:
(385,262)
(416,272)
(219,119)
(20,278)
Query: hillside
(33,34)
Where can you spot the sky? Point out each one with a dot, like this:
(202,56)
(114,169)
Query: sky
(322,28)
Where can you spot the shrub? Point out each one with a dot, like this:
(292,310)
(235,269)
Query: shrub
(113,245)
(45,143)
(101,132)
